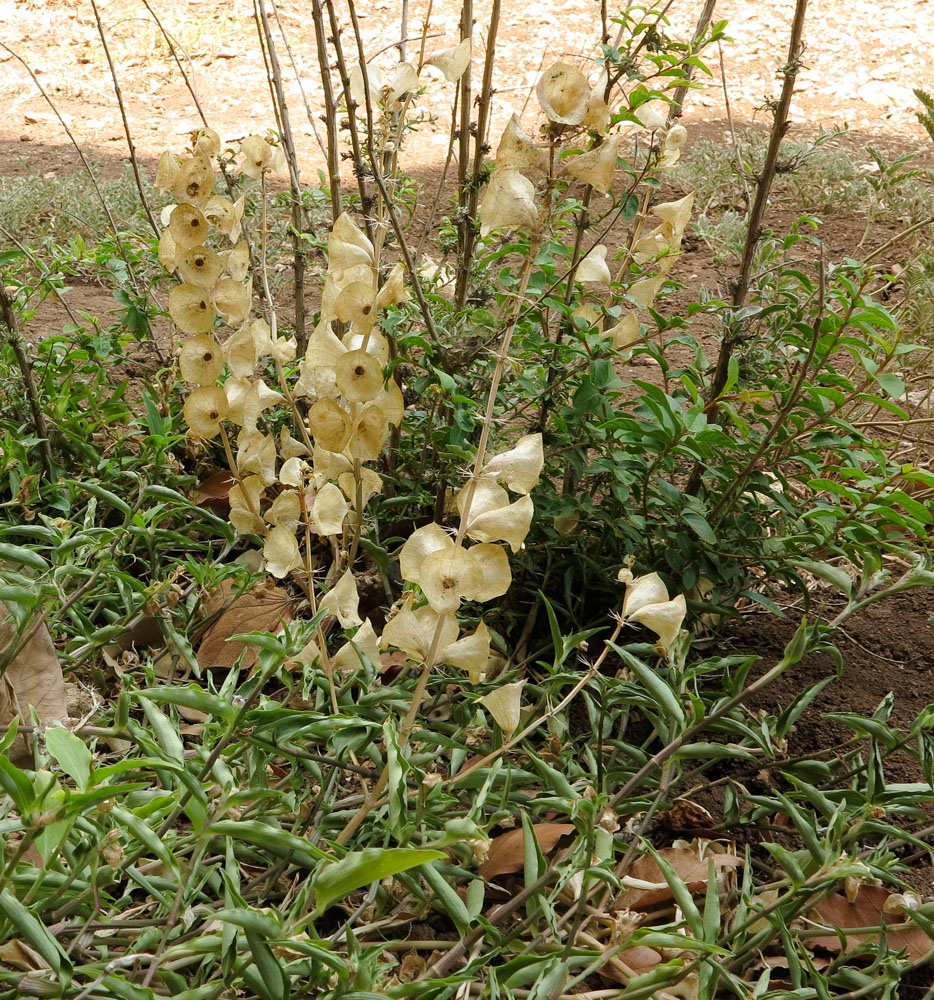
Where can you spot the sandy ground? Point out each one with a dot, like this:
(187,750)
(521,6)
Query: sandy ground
(861,63)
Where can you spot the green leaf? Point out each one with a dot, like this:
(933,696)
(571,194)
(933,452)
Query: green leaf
(699,526)
(35,934)
(336,880)
(72,754)
(280,842)
(22,556)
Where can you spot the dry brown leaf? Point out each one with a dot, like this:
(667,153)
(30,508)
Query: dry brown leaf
(34,678)
(263,609)
(639,959)
(691,869)
(412,967)
(506,851)
(19,955)
(214,491)
(686,815)
(866,911)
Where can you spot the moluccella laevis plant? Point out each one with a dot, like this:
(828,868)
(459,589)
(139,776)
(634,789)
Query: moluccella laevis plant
(582,141)
(294,488)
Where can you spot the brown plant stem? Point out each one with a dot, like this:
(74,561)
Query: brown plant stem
(469,210)
(277,92)
(118,93)
(14,338)
(330,111)
(359,167)
(703,21)
(298,80)
(741,283)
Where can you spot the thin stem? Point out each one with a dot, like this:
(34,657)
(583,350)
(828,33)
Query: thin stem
(277,92)
(15,339)
(330,111)
(126,124)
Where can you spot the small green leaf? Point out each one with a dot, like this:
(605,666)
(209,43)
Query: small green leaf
(34,933)
(335,881)
(72,754)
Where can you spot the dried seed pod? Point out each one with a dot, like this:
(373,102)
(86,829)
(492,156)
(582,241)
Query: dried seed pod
(225,216)
(204,410)
(376,344)
(359,376)
(369,433)
(257,454)
(504,704)
(448,576)
(563,93)
(356,304)
(626,332)
(663,619)
(364,646)
(329,510)
(517,150)
(199,266)
(281,552)
(413,631)
(191,308)
(194,181)
(470,653)
(676,214)
(652,114)
(508,203)
(286,510)
(594,266)
(370,483)
(233,299)
(342,601)
(643,292)
(166,172)
(494,565)
(330,425)
(508,524)
(257,156)
(393,291)
(168,251)
(188,226)
(201,360)
(402,81)
(373,84)
(206,141)
(597,166)
(452,62)
(391,401)
(418,546)
(520,466)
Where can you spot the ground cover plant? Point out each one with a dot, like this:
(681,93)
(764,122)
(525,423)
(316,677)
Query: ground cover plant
(383,570)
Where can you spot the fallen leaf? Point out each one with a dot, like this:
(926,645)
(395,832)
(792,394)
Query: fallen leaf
(19,955)
(686,815)
(867,911)
(412,967)
(34,678)
(506,851)
(691,869)
(639,959)
(265,608)
(214,491)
